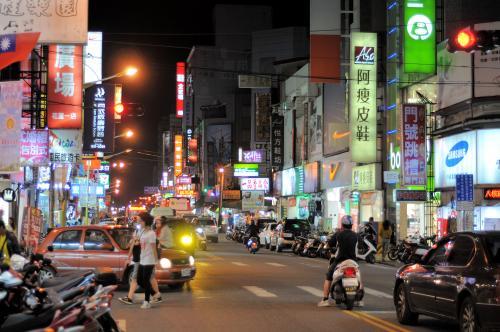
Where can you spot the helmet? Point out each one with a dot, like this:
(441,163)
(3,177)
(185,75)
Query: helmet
(347,221)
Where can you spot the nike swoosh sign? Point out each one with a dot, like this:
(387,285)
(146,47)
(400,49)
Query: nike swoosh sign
(337,135)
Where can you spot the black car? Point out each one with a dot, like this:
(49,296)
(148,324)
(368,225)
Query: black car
(458,279)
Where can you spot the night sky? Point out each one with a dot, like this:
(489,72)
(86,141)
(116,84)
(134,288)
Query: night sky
(154,37)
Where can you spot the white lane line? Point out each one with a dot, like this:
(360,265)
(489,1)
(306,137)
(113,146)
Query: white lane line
(311,290)
(122,325)
(276,264)
(377,293)
(260,292)
(239,264)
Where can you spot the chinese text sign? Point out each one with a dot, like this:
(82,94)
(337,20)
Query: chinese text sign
(414,156)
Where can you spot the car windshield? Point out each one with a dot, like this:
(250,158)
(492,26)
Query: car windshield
(493,247)
(297,225)
(122,236)
(206,222)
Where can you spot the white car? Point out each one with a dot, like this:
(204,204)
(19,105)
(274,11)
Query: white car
(210,228)
(266,233)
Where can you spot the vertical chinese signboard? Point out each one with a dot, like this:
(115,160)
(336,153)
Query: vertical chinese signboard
(262,113)
(414,157)
(277,129)
(178,155)
(65,87)
(180,86)
(11,97)
(362,97)
(419,48)
(34,147)
(99,124)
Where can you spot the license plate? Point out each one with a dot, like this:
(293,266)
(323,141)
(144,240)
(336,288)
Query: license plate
(350,289)
(287,234)
(349,282)
(185,272)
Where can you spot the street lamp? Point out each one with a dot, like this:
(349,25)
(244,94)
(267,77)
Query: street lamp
(129,71)
(117,154)
(128,133)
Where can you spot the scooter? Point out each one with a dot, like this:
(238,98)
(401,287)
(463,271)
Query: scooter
(253,245)
(365,249)
(346,285)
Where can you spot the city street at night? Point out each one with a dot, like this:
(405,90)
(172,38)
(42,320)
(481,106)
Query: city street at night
(269,291)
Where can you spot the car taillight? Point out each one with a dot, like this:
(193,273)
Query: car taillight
(350,272)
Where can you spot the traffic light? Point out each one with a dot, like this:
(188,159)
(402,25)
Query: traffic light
(119,108)
(468,40)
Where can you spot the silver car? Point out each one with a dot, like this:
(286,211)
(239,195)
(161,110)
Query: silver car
(209,227)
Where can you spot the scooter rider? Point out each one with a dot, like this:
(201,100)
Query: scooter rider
(252,231)
(345,241)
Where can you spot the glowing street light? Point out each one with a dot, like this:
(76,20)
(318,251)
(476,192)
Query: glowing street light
(129,71)
(117,191)
(129,133)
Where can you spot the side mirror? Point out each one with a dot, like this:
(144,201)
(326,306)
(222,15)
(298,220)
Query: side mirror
(50,248)
(107,246)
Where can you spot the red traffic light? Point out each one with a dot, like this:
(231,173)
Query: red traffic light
(465,39)
(119,108)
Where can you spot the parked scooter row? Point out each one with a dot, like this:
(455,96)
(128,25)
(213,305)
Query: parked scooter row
(411,250)
(79,301)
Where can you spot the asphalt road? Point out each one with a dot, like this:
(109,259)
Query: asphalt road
(236,291)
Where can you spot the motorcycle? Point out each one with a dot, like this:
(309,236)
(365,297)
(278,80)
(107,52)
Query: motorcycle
(253,244)
(414,249)
(299,244)
(346,285)
(311,248)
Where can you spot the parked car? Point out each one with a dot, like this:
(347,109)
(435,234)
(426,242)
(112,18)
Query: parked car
(291,229)
(458,279)
(94,246)
(209,226)
(265,234)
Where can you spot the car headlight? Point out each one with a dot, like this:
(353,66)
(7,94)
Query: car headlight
(165,263)
(191,260)
(186,239)
(199,230)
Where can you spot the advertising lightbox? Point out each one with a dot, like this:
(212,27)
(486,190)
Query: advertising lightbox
(311,177)
(362,97)
(255,184)
(180,87)
(292,181)
(419,46)
(246,170)
(488,158)
(454,155)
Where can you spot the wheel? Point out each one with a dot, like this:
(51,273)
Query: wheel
(349,303)
(403,312)
(176,286)
(370,259)
(108,323)
(312,253)
(468,317)
(393,254)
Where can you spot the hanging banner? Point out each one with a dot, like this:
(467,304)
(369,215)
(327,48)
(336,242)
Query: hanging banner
(11,94)
(178,155)
(414,156)
(419,47)
(277,143)
(99,122)
(34,147)
(65,86)
(31,227)
(65,146)
(59,21)
(362,97)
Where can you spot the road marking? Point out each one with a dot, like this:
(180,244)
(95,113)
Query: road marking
(380,312)
(122,325)
(311,290)
(276,264)
(202,264)
(369,321)
(381,321)
(377,293)
(260,292)
(239,264)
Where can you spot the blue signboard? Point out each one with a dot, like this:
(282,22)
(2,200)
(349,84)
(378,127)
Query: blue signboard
(464,187)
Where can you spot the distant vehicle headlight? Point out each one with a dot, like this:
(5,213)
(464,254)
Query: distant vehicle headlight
(186,239)
(199,230)
(165,263)
(191,260)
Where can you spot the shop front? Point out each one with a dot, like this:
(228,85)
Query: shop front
(336,174)
(367,199)
(293,203)
(458,155)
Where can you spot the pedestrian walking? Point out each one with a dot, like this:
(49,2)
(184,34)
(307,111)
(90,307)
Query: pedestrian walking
(148,259)
(386,235)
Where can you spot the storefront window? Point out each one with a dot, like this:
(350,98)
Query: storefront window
(416,219)
(487,218)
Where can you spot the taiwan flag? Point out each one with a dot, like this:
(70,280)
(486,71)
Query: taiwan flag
(16,47)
